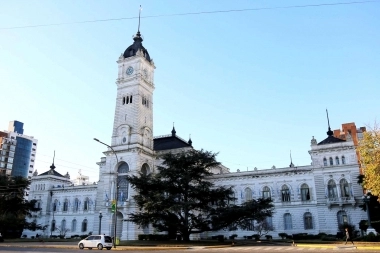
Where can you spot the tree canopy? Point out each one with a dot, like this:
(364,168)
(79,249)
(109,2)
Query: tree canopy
(180,197)
(369,153)
(14,208)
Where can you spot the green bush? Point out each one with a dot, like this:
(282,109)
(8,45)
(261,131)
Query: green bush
(269,237)
(256,237)
(282,235)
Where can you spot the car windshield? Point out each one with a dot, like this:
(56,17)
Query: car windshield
(107,239)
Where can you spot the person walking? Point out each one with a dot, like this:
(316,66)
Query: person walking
(348,236)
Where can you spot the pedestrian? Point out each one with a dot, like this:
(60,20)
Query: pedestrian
(348,236)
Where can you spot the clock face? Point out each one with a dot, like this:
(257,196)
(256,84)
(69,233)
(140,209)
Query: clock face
(129,70)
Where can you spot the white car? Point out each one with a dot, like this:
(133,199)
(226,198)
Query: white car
(96,241)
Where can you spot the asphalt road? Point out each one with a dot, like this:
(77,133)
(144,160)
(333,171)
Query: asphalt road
(250,249)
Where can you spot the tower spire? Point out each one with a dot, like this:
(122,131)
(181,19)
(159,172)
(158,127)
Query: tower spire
(291,160)
(52,167)
(329,132)
(138,28)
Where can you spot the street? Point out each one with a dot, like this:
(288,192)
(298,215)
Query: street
(237,249)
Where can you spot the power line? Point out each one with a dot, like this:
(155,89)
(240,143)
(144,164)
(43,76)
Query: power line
(193,13)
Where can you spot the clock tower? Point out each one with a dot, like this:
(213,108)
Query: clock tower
(131,149)
(133,121)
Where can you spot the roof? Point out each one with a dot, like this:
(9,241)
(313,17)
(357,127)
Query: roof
(51,172)
(330,138)
(170,142)
(135,47)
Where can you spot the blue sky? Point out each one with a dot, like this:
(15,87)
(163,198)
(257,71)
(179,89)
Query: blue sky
(251,85)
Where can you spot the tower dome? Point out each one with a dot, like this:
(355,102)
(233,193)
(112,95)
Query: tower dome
(135,47)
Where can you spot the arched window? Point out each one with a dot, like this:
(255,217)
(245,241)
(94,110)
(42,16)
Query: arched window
(86,204)
(331,188)
(343,160)
(123,189)
(266,192)
(344,188)
(55,205)
(269,222)
(248,194)
(76,205)
(331,161)
(342,218)
(63,225)
(232,201)
(53,225)
(288,221)
(74,225)
(308,220)
(305,192)
(337,160)
(84,225)
(66,205)
(145,169)
(324,161)
(285,193)
(123,168)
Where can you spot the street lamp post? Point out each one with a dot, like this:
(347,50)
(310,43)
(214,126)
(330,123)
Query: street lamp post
(116,184)
(366,200)
(100,222)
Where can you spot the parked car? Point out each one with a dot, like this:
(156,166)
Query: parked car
(96,241)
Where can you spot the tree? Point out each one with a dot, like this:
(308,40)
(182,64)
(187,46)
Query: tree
(262,227)
(14,209)
(62,231)
(180,198)
(369,153)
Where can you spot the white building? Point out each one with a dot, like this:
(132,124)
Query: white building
(308,199)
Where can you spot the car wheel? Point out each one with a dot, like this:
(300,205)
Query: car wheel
(100,246)
(81,246)
(108,248)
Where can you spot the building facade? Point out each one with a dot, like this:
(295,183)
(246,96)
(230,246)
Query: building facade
(17,151)
(308,199)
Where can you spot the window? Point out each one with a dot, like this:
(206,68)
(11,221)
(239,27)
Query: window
(63,226)
(308,220)
(331,161)
(76,205)
(53,225)
(84,225)
(324,161)
(123,168)
(343,160)
(305,192)
(66,205)
(74,225)
(123,189)
(250,225)
(344,188)
(287,221)
(266,193)
(145,169)
(55,206)
(285,193)
(342,218)
(248,194)
(86,204)
(337,160)
(331,189)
